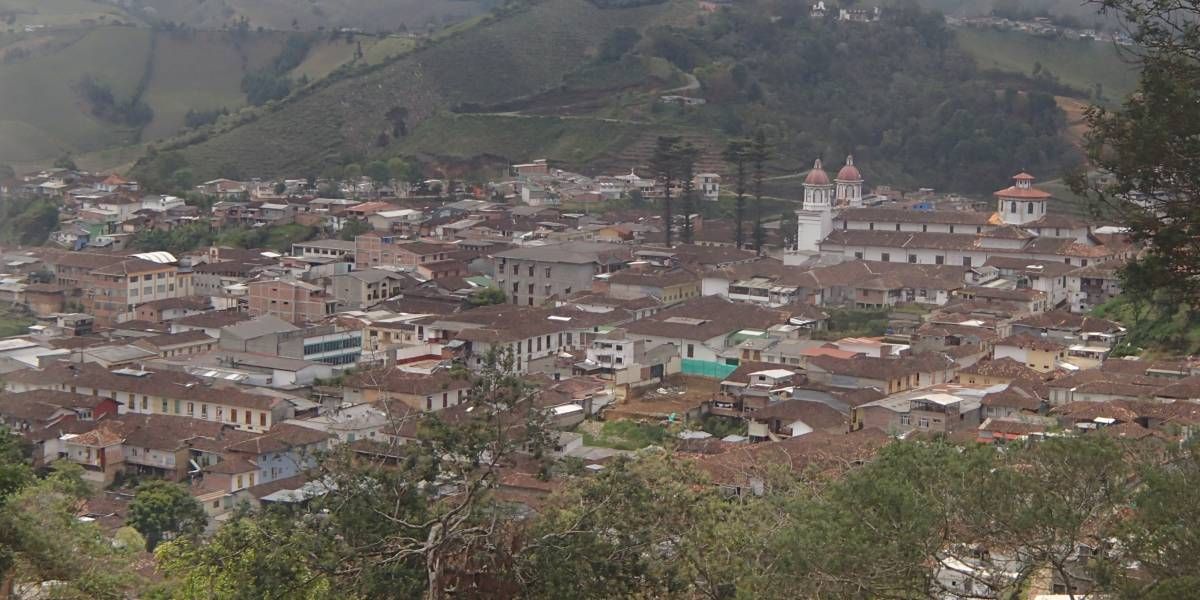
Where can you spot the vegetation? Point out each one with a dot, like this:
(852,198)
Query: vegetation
(1156,323)
(43,539)
(352,229)
(184,238)
(1147,149)
(665,530)
(488,296)
(627,435)
(164,510)
(13,322)
(27,221)
(276,237)
(854,322)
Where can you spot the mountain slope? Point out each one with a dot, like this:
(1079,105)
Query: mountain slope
(518,54)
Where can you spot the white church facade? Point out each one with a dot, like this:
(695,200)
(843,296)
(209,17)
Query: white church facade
(834,224)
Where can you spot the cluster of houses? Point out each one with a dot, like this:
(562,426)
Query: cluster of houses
(229,369)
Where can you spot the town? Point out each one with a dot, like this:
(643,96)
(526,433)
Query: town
(865,316)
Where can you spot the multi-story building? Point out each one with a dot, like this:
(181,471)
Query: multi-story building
(114,291)
(289,299)
(158,392)
(359,289)
(273,336)
(533,274)
(376,250)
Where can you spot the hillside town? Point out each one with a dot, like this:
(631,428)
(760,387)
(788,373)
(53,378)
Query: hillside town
(882,316)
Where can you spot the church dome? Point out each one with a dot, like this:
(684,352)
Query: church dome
(849,172)
(817,176)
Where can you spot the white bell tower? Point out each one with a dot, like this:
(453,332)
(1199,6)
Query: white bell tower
(815,220)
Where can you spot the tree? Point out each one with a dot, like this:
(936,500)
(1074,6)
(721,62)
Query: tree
(378,172)
(788,229)
(620,41)
(1146,149)
(396,116)
(353,172)
(759,154)
(280,188)
(384,528)
(164,510)
(665,164)
(43,540)
(353,228)
(737,154)
(487,296)
(65,162)
(687,155)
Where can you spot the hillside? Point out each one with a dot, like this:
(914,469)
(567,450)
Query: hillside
(527,51)
(310,15)
(1080,64)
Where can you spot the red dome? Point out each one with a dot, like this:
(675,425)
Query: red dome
(849,172)
(817,176)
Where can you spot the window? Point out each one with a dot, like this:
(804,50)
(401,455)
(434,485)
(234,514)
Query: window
(939,260)
(547,272)
(1012,207)
(691,351)
(233,415)
(871,226)
(897,227)
(145,404)
(428,402)
(262,419)
(247,417)
(905,419)
(923,422)
(924,228)
(966,261)
(164,407)
(445,399)
(531,270)
(191,409)
(885,257)
(912,258)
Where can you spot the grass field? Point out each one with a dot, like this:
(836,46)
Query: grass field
(38,94)
(286,15)
(201,71)
(1077,63)
(500,59)
(61,13)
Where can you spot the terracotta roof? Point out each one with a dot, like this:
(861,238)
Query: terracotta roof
(214,319)
(1013,397)
(706,318)
(1063,320)
(816,453)
(817,176)
(903,215)
(818,415)
(1001,367)
(280,438)
(400,382)
(1026,341)
(1088,411)
(194,336)
(132,266)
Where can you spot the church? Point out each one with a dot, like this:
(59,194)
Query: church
(834,224)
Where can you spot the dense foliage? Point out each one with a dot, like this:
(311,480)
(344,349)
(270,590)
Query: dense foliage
(657,527)
(273,82)
(1149,151)
(27,221)
(99,95)
(898,94)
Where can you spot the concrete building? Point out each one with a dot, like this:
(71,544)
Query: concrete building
(533,274)
(289,299)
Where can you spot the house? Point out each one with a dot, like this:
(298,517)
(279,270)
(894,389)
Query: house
(224,189)
(365,288)
(942,409)
(628,361)
(178,344)
(40,409)
(534,336)
(533,274)
(753,386)
(793,418)
(342,249)
(705,328)
(1094,285)
(113,292)
(668,285)
(748,470)
(376,250)
(289,299)
(169,309)
(1040,354)
(434,392)
(1070,328)
(154,391)
(891,375)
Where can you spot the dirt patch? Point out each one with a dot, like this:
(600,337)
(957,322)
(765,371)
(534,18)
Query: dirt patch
(1076,124)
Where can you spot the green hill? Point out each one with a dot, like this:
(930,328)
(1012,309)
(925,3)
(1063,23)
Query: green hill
(525,52)
(42,112)
(309,15)
(1081,64)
